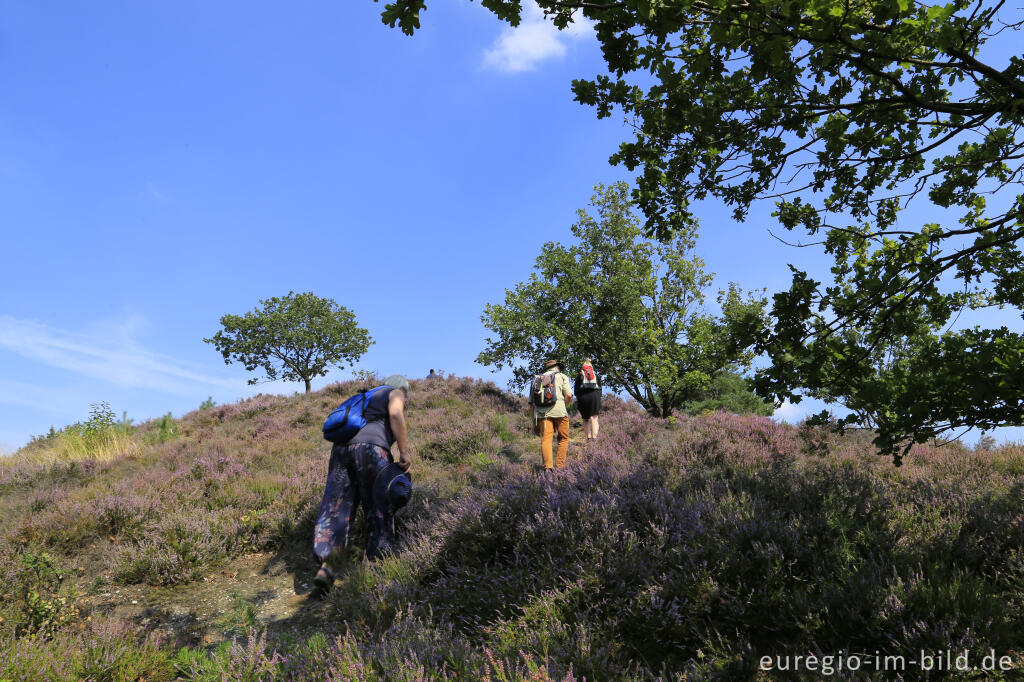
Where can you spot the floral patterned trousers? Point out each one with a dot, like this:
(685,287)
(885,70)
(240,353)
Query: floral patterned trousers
(350,478)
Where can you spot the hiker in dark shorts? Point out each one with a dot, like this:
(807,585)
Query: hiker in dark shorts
(587,388)
(351,476)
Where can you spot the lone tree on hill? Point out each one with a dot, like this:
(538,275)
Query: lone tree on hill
(632,304)
(842,112)
(294,338)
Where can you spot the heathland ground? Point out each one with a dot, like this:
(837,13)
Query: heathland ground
(680,548)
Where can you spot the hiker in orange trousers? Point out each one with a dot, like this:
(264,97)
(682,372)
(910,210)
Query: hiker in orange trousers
(553,418)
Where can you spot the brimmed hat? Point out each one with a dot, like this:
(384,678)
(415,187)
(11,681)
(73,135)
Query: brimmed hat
(392,485)
(398,381)
(551,363)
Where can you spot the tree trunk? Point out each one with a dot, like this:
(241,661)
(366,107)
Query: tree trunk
(307,385)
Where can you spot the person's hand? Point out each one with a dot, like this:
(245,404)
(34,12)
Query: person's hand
(404,462)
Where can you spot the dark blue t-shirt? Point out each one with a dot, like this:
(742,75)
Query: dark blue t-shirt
(378,421)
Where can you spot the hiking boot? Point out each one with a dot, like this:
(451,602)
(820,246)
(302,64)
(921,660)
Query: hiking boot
(324,580)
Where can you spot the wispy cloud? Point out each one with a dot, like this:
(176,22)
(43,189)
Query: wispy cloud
(113,357)
(155,193)
(33,396)
(535,40)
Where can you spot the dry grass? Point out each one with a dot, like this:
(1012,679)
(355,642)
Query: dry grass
(75,447)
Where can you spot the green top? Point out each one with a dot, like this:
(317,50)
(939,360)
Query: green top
(562,389)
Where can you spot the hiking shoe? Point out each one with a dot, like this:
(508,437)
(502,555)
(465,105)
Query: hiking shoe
(324,580)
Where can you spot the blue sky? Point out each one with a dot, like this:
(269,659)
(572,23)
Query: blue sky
(165,163)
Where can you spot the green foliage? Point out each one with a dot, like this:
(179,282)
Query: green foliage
(633,304)
(101,437)
(366,375)
(455,447)
(502,428)
(165,429)
(207,404)
(41,604)
(844,113)
(101,420)
(730,392)
(240,616)
(295,338)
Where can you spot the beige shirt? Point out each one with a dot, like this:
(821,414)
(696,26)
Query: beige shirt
(562,390)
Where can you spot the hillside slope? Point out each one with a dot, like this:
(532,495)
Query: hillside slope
(684,548)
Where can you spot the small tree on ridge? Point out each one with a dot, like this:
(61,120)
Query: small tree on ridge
(295,338)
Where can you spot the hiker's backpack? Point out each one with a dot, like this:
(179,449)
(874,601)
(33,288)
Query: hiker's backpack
(345,421)
(542,390)
(589,378)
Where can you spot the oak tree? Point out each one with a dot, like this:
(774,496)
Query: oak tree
(843,113)
(295,337)
(633,304)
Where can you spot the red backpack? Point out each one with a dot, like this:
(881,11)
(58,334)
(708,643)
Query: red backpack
(589,378)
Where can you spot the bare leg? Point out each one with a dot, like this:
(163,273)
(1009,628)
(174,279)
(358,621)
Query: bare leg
(594,426)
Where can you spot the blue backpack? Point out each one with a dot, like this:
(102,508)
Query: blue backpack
(346,420)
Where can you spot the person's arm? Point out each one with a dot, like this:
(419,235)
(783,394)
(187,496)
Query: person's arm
(567,394)
(396,413)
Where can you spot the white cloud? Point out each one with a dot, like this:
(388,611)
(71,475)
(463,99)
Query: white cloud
(535,40)
(113,356)
(790,413)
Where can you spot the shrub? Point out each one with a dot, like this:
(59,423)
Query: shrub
(104,650)
(42,603)
(163,429)
(681,550)
(99,438)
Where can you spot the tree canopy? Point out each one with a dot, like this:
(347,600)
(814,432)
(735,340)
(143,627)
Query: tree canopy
(843,113)
(294,337)
(632,304)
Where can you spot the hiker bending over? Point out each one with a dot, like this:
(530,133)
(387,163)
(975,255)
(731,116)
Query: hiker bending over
(549,395)
(588,398)
(356,466)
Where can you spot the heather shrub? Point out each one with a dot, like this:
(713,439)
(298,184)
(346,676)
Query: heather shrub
(123,512)
(672,548)
(103,650)
(652,561)
(180,544)
(456,443)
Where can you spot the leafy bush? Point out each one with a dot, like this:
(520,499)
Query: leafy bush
(42,604)
(164,429)
(101,437)
(368,376)
(729,392)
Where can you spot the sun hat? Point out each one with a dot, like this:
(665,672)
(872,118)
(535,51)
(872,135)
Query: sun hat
(392,485)
(551,363)
(397,381)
